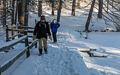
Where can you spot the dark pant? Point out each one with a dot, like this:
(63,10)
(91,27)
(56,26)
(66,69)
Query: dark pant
(54,37)
(40,51)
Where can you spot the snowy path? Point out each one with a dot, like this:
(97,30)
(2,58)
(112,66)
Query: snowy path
(64,58)
(59,61)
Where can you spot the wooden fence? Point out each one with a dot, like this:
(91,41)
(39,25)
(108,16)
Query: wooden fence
(6,64)
(21,30)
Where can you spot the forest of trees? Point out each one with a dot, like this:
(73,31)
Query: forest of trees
(15,12)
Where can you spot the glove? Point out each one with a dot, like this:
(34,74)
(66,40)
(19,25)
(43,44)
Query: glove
(34,37)
(50,37)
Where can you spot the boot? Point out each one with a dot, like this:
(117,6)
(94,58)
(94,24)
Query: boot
(40,52)
(45,51)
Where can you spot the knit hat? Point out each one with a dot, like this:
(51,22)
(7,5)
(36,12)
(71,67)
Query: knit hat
(42,17)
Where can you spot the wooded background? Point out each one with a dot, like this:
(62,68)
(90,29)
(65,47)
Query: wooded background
(13,12)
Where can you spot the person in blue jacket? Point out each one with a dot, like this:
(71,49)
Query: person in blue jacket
(54,27)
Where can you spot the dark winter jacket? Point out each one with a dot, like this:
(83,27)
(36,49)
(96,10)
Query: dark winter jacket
(42,30)
(54,26)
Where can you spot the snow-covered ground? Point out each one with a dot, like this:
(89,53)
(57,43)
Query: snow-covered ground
(65,57)
(58,61)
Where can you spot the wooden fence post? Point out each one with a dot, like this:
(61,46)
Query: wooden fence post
(12,32)
(0,71)
(35,24)
(36,45)
(7,33)
(26,45)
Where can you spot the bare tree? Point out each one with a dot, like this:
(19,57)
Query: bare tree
(0,2)
(73,7)
(53,4)
(13,12)
(107,5)
(100,8)
(89,17)
(39,8)
(4,13)
(26,13)
(59,10)
(113,15)
(16,12)
(21,5)
(78,4)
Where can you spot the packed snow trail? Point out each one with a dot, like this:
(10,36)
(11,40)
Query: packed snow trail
(59,61)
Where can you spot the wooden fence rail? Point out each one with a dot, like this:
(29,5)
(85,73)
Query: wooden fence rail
(20,29)
(6,64)
(26,27)
(13,36)
(11,43)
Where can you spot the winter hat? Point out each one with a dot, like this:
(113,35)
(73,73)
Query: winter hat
(42,17)
(54,20)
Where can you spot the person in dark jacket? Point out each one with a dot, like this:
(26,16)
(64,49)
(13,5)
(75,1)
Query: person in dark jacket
(54,27)
(41,31)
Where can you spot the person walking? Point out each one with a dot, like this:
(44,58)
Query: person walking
(54,27)
(41,31)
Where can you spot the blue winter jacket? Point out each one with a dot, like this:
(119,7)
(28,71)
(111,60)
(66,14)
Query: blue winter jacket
(54,26)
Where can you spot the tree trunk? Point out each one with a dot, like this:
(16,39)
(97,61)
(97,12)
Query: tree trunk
(100,8)
(26,13)
(53,7)
(107,5)
(4,13)
(89,17)
(21,5)
(112,3)
(16,13)
(0,2)
(39,8)
(13,20)
(13,12)
(73,7)
(78,4)
(59,11)
(21,12)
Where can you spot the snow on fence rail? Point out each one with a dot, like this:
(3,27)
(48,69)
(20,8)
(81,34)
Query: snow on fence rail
(27,27)
(12,37)
(11,43)
(6,63)
(20,29)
